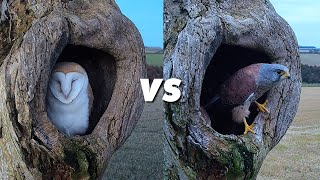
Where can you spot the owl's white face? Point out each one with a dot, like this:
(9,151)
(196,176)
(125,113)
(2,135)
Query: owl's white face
(66,87)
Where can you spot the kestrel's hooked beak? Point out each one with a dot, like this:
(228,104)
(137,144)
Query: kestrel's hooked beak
(285,75)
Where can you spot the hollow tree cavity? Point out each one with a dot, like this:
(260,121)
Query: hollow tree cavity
(205,42)
(107,45)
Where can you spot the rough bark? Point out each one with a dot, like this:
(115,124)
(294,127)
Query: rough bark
(34,35)
(199,33)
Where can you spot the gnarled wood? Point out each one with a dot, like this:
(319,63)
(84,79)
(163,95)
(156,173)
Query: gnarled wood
(205,39)
(36,34)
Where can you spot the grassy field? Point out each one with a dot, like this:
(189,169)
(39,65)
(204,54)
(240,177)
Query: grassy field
(310,59)
(155,59)
(297,156)
(141,156)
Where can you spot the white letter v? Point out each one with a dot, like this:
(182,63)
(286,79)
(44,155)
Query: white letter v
(150,93)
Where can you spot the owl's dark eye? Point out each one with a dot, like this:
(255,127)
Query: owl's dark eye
(59,83)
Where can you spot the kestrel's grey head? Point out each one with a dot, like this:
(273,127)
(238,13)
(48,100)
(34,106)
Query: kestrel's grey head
(271,74)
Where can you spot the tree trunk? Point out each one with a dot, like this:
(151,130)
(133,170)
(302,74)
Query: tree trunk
(34,36)
(205,42)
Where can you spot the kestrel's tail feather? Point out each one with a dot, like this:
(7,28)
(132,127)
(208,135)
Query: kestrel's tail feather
(212,101)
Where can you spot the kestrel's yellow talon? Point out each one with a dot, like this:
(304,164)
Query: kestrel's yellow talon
(265,102)
(247,127)
(262,107)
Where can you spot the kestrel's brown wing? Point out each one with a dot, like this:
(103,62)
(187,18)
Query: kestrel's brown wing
(238,88)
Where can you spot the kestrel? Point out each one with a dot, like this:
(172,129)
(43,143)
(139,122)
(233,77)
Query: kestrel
(246,86)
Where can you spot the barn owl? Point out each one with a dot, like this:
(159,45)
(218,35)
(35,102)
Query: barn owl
(69,98)
(246,86)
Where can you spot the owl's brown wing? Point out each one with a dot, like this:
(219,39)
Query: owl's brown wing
(240,86)
(91,98)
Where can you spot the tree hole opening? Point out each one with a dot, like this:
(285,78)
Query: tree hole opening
(226,61)
(101,70)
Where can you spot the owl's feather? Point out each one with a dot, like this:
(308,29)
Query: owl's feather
(69,98)
(91,98)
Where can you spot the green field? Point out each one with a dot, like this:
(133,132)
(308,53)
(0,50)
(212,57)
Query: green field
(310,85)
(155,59)
(310,59)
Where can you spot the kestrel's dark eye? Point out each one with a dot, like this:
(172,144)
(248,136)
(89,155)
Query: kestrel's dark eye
(279,72)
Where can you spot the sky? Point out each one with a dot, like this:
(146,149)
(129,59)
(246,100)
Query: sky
(147,15)
(302,15)
(304,18)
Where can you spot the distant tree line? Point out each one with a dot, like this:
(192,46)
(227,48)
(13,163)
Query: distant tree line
(310,74)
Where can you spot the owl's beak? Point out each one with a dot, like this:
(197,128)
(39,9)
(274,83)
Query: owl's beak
(66,91)
(286,75)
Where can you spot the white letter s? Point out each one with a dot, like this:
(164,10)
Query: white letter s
(169,87)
